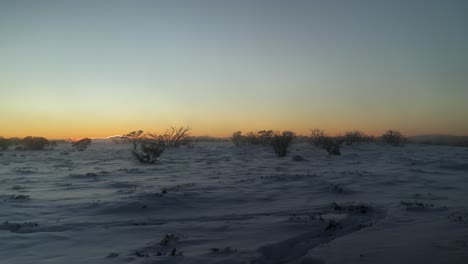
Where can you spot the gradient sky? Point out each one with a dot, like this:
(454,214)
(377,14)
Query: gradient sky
(100,68)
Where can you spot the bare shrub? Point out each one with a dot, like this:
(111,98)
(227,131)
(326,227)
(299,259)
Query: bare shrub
(262,137)
(317,136)
(356,136)
(281,142)
(238,138)
(146,147)
(331,145)
(4,143)
(133,137)
(149,149)
(81,144)
(35,143)
(393,138)
(176,136)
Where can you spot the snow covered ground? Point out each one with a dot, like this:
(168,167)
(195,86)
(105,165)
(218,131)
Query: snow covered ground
(217,203)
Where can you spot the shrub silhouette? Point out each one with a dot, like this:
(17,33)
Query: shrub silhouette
(356,136)
(317,136)
(393,138)
(4,143)
(35,143)
(331,145)
(145,149)
(238,138)
(262,137)
(82,144)
(149,148)
(133,137)
(174,137)
(281,142)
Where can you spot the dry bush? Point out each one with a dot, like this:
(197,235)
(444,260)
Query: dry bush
(148,147)
(317,136)
(281,142)
(176,136)
(4,143)
(148,150)
(35,143)
(262,137)
(331,145)
(356,136)
(393,138)
(81,144)
(133,137)
(238,138)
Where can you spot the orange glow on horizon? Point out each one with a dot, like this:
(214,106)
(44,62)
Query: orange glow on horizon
(56,132)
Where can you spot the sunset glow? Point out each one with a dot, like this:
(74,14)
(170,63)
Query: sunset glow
(101,68)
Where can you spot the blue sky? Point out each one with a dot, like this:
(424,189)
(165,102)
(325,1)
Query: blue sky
(96,68)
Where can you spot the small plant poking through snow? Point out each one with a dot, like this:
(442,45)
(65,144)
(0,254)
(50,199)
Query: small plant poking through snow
(81,144)
(163,192)
(298,158)
(281,142)
(168,240)
(226,250)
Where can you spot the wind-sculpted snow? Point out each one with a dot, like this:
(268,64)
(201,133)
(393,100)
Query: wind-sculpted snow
(218,203)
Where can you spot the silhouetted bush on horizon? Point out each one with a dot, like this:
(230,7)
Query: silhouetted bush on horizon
(281,142)
(356,136)
(35,143)
(262,137)
(393,138)
(319,139)
(81,144)
(149,150)
(317,136)
(4,143)
(148,147)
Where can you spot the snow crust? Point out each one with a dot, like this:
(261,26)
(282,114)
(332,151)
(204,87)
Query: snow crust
(218,203)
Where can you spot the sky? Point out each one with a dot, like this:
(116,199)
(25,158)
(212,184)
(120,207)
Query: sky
(100,68)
